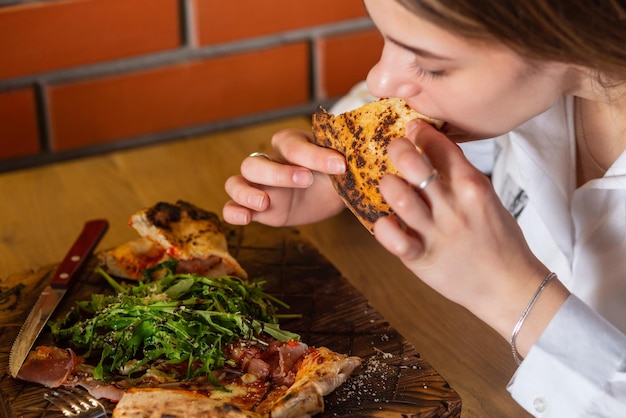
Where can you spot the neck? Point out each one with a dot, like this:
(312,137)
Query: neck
(600,136)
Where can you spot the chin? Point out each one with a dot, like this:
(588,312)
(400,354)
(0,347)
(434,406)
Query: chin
(461,135)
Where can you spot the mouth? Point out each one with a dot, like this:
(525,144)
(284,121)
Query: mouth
(456,134)
(450,130)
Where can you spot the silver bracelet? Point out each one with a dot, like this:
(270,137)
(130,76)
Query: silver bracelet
(520,322)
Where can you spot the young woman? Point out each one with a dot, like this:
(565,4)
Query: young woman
(544,243)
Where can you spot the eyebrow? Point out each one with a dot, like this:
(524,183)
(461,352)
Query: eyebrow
(418,51)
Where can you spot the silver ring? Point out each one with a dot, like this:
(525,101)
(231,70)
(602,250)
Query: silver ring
(428,180)
(260,154)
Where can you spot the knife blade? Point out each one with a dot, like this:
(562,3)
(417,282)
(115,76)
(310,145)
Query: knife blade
(71,266)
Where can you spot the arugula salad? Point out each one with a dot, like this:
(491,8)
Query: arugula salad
(179,319)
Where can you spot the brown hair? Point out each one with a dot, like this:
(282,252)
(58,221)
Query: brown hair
(590,33)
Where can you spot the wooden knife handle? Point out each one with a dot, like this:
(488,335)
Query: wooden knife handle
(79,254)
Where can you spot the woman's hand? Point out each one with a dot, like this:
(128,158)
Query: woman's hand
(457,236)
(290,189)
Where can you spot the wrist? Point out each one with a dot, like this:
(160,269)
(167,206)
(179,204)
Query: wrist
(550,295)
(520,322)
(505,304)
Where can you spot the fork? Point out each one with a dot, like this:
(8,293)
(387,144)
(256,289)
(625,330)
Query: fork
(76,403)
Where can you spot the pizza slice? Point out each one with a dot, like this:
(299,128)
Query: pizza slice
(180,231)
(320,372)
(363,135)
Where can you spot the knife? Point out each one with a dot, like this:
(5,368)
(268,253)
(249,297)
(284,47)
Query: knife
(66,272)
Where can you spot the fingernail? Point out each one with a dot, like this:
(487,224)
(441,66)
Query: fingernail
(336,165)
(425,157)
(256,200)
(411,126)
(302,177)
(241,218)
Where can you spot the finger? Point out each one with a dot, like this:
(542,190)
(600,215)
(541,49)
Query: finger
(407,204)
(415,169)
(260,154)
(270,173)
(296,147)
(442,152)
(457,175)
(410,160)
(245,194)
(235,214)
(397,241)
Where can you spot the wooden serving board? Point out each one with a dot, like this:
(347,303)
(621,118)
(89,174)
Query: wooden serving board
(394,381)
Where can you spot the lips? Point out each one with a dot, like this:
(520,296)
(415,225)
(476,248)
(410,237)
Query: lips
(456,134)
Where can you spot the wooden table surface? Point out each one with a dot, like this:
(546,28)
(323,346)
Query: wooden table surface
(43,209)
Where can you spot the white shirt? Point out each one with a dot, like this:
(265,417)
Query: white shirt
(578,366)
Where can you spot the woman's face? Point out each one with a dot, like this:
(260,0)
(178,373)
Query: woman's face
(481,89)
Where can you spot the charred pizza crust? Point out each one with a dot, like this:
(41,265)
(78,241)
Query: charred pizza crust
(193,236)
(363,135)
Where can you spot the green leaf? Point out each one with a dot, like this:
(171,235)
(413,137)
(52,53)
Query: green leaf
(181,319)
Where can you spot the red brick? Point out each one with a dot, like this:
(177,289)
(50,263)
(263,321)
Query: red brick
(222,21)
(345,60)
(19,135)
(187,94)
(39,37)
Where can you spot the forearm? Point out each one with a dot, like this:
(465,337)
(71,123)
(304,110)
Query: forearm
(503,305)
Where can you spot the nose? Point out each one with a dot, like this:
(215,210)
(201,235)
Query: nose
(389,78)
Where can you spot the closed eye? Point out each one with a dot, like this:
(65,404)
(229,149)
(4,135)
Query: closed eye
(426,74)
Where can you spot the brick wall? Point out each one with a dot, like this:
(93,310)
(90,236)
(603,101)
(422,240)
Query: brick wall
(79,77)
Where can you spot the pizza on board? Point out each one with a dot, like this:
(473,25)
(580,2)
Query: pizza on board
(319,373)
(362,136)
(257,369)
(181,231)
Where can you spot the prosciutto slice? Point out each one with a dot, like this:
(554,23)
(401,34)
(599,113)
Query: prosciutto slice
(278,360)
(49,366)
